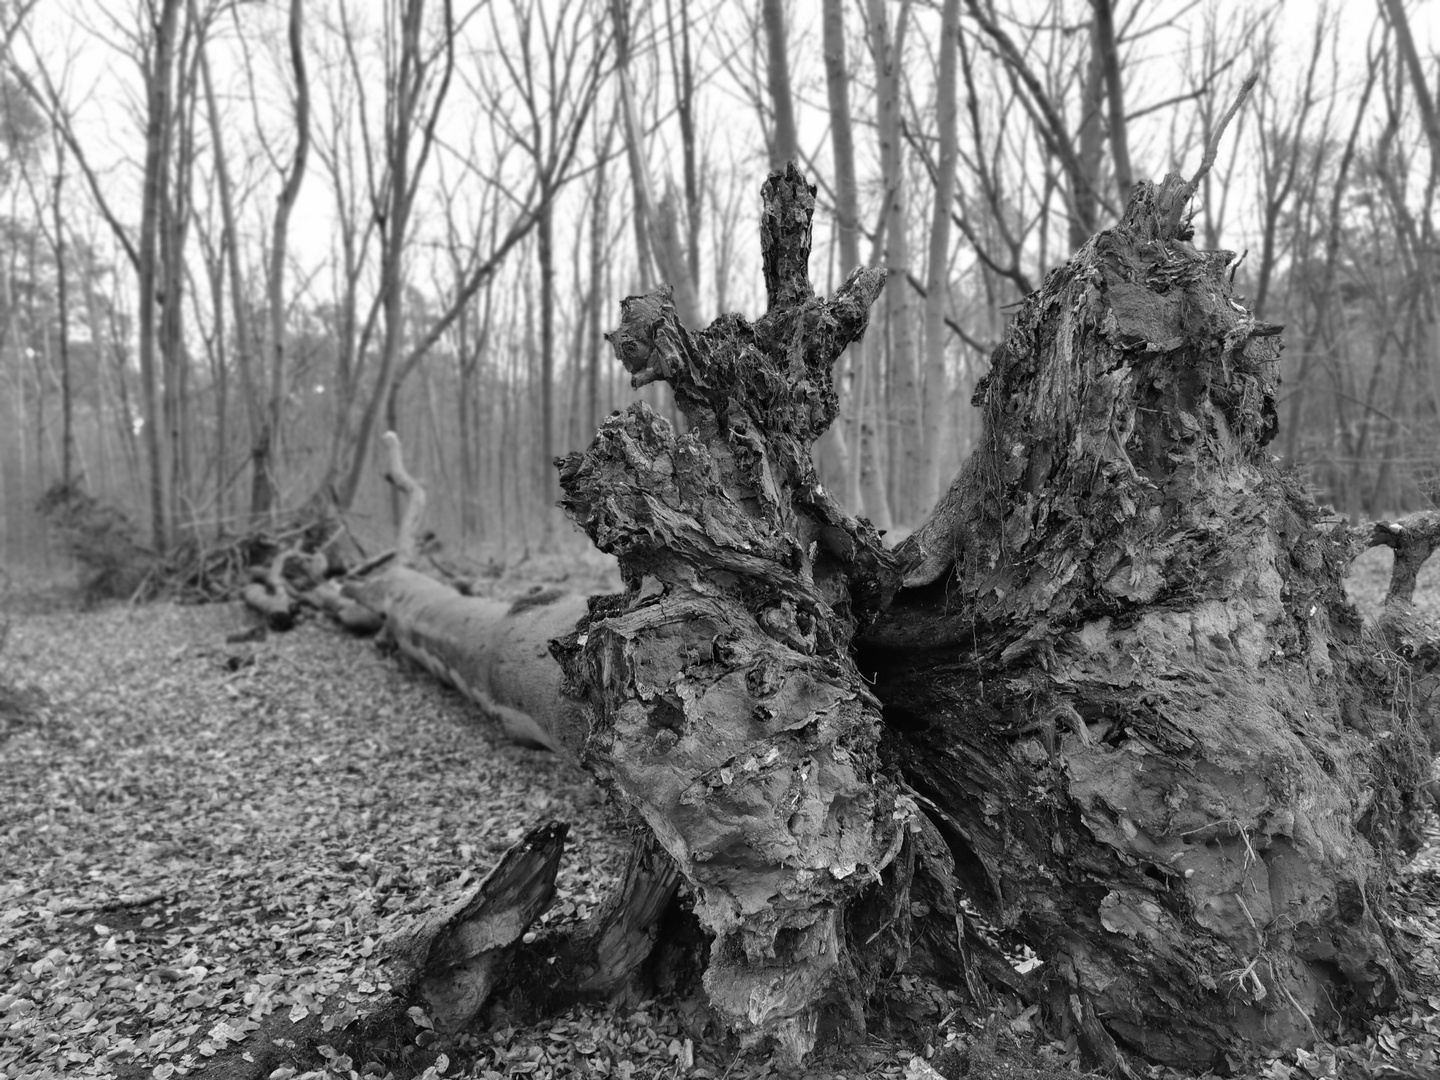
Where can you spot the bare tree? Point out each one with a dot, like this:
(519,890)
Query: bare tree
(887,50)
(159,117)
(657,230)
(1106,45)
(847,213)
(1430,122)
(1052,127)
(1284,142)
(554,72)
(786,145)
(417,76)
(937,279)
(266,489)
(1323,302)
(224,260)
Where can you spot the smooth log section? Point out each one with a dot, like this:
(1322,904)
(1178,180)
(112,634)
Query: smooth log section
(495,653)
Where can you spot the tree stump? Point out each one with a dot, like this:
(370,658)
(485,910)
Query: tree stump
(1124,674)
(1112,690)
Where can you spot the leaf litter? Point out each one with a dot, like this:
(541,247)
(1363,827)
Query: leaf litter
(195,834)
(200,832)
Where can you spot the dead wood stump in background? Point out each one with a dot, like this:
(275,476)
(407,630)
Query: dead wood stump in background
(723,702)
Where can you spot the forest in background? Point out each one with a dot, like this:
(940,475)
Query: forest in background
(245,239)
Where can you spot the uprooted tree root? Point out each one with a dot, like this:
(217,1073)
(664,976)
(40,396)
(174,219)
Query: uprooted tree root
(1124,611)
(1120,702)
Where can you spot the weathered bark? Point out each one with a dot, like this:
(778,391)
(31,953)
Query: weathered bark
(1125,676)
(719,690)
(642,941)
(1121,681)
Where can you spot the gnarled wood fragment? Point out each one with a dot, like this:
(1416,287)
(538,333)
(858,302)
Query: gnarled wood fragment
(454,957)
(722,700)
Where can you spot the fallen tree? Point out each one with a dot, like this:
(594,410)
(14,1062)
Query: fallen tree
(493,652)
(1111,692)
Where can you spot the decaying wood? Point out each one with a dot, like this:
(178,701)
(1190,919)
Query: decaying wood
(721,699)
(484,950)
(448,962)
(495,653)
(1413,539)
(331,598)
(454,957)
(1141,724)
(1165,746)
(616,955)
(1111,692)
(412,514)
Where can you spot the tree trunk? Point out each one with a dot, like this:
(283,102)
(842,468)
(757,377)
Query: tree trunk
(495,653)
(158,119)
(68,472)
(1105,39)
(599,297)
(777,69)
(937,278)
(244,353)
(545,259)
(904,458)
(265,493)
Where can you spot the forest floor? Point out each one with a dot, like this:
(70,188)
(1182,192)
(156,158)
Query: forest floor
(197,833)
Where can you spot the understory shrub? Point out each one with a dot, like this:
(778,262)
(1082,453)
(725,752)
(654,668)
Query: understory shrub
(102,539)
